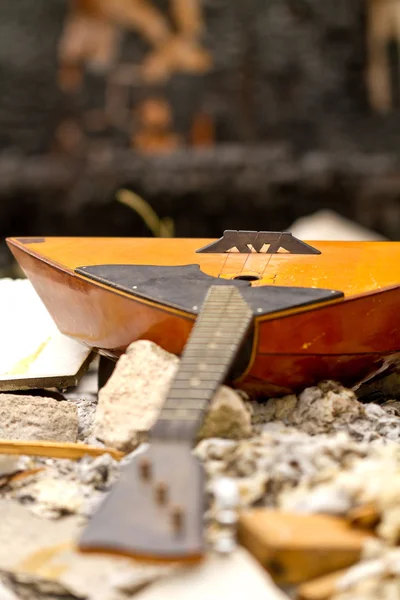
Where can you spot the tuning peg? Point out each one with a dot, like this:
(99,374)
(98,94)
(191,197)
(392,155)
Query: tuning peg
(144,466)
(177,516)
(161,492)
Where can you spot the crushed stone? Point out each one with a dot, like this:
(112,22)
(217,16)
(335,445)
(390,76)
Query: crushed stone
(369,480)
(321,451)
(24,417)
(65,487)
(278,459)
(86,409)
(326,408)
(131,400)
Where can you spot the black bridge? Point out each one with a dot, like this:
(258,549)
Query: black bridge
(268,242)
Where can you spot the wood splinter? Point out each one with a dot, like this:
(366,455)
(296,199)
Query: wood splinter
(295,548)
(69,450)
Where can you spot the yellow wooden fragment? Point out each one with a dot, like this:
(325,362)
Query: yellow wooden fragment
(295,548)
(55,449)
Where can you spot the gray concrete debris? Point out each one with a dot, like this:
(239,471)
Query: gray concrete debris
(229,417)
(233,577)
(65,487)
(86,409)
(370,480)
(378,577)
(35,418)
(392,407)
(130,401)
(278,459)
(38,557)
(326,408)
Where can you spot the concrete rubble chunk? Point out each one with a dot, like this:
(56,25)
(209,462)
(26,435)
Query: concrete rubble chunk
(370,480)
(392,407)
(36,418)
(39,555)
(228,418)
(317,409)
(232,577)
(278,459)
(326,408)
(86,410)
(130,401)
(52,497)
(63,487)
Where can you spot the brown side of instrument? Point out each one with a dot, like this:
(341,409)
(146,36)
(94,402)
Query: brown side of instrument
(347,341)
(100,317)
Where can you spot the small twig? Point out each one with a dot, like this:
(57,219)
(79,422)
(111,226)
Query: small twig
(158,227)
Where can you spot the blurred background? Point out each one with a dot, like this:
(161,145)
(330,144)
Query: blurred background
(216,114)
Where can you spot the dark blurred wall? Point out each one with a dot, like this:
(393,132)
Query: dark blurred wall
(221,113)
(30,99)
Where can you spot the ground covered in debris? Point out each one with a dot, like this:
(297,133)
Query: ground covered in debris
(320,452)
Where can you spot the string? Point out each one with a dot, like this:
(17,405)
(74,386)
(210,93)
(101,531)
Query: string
(251,252)
(245,262)
(224,263)
(276,244)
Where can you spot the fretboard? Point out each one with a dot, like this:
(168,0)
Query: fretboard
(216,337)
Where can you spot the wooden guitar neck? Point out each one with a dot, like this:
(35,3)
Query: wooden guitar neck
(216,337)
(155,511)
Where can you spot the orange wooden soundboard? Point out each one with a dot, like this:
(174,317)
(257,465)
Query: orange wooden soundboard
(347,337)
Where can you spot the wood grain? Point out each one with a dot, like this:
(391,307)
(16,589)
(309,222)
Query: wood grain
(55,449)
(347,340)
(295,548)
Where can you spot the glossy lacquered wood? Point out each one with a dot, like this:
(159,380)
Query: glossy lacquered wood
(347,340)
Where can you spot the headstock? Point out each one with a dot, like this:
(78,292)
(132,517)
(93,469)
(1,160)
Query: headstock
(155,511)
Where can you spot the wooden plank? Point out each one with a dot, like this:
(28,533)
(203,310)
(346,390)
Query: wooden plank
(295,548)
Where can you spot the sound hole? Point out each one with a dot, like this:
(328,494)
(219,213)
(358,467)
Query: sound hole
(248,277)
